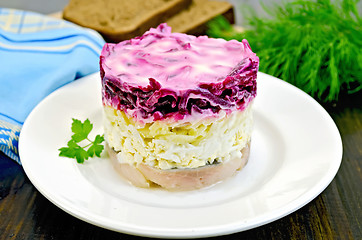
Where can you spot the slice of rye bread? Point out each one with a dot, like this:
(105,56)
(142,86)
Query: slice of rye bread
(118,20)
(193,20)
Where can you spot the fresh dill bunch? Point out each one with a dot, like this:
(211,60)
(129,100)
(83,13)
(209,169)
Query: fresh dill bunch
(314,45)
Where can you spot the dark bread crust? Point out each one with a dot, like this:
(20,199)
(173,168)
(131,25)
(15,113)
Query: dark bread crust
(76,11)
(185,16)
(193,20)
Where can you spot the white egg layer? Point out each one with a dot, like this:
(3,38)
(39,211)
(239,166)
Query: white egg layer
(168,145)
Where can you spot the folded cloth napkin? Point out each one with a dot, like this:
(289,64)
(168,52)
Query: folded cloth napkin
(38,54)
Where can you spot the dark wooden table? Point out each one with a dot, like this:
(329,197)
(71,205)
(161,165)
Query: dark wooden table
(335,214)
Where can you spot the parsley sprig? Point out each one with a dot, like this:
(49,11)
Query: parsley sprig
(81,131)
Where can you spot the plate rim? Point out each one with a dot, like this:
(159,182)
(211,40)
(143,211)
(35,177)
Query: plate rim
(199,232)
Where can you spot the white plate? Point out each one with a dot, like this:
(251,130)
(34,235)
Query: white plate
(296,151)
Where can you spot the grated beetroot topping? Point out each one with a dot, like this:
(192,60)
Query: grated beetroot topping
(172,75)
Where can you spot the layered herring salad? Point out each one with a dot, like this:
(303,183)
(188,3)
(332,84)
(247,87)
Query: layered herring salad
(176,101)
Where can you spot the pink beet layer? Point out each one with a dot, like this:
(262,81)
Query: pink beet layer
(172,75)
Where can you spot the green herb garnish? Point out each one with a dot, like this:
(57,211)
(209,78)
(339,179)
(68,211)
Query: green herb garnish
(80,133)
(315,45)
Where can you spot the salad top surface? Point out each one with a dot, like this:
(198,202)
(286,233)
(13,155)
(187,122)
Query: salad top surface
(162,74)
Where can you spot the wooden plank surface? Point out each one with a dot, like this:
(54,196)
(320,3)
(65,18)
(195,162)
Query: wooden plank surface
(334,214)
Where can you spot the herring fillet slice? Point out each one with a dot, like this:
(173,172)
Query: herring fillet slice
(144,175)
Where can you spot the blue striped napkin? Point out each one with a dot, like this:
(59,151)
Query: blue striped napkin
(38,54)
